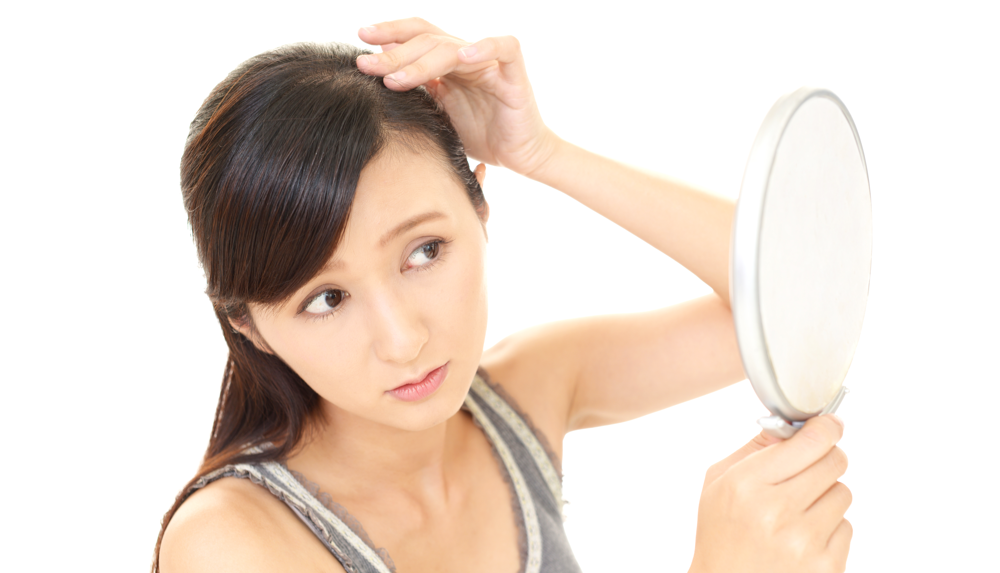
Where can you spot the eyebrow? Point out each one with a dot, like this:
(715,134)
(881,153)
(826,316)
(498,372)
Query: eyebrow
(392,234)
(409,224)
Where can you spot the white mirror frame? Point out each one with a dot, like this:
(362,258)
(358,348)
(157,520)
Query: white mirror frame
(744,292)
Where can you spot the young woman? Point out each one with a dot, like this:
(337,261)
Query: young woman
(361,426)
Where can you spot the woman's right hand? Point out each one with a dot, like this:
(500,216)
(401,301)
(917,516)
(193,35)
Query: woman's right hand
(483,86)
(775,506)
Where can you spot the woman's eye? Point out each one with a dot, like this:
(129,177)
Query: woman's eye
(326,301)
(424,254)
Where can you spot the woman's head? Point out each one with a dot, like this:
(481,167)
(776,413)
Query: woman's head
(342,236)
(403,294)
(295,168)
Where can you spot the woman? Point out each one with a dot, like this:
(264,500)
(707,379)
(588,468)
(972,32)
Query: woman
(361,426)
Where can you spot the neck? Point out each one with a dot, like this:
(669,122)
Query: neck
(352,456)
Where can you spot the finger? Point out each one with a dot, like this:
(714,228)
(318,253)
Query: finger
(392,61)
(397,31)
(828,511)
(388,47)
(815,480)
(439,61)
(760,441)
(839,545)
(504,49)
(806,447)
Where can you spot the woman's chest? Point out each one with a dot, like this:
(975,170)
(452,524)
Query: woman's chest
(478,528)
(474,523)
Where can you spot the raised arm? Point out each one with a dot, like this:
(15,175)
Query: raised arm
(688,225)
(598,370)
(631,365)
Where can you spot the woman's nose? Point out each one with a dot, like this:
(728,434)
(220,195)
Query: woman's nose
(399,334)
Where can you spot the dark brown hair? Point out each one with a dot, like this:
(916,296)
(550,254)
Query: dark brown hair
(268,175)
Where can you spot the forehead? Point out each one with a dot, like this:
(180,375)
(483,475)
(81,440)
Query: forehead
(398,184)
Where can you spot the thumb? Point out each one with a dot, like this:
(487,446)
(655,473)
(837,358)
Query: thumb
(758,443)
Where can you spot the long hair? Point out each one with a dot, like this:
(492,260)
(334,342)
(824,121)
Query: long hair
(268,175)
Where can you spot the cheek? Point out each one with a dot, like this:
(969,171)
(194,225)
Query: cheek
(460,305)
(328,359)
(338,362)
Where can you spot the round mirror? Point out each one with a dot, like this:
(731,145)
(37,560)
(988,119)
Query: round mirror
(801,257)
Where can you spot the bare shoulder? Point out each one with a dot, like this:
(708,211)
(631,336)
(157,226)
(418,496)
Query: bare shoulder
(234,525)
(538,367)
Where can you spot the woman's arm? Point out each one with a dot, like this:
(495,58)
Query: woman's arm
(688,225)
(634,364)
(597,370)
(600,370)
(604,369)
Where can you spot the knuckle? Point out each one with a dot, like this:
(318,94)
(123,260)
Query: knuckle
(762,440)
(838,459)
(836,429)
(797,542)
(417,68)
(712,473)
(848,528)
(768,517)
(740,489)
(390,58)
(845,493)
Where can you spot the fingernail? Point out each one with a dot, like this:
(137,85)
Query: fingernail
(366,61)
(397,77)
(368,29)
(468,51)
(837,419)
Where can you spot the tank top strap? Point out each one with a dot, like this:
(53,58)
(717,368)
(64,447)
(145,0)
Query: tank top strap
(493,396)
(532,469)
(534,479)
(345,545)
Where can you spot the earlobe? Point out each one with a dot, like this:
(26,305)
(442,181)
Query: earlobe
(484,212)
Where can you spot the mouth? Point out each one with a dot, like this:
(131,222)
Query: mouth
(419,389)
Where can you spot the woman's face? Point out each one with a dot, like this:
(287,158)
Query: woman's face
(404,294)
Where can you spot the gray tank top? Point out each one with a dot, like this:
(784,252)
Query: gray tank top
(536,486)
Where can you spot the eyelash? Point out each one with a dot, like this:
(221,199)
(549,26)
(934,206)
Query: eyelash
(440,255)
(320,317)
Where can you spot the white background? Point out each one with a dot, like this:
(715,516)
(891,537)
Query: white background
(112,358)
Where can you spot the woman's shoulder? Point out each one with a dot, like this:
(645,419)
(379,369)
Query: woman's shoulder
(537,368)
(234,525)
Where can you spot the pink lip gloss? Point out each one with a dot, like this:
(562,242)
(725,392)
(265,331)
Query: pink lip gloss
(419,390)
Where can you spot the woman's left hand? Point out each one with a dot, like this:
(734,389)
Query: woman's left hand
(483,87)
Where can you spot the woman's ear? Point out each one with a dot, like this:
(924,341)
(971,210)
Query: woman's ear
(244,327)
(480,173)
(484,212)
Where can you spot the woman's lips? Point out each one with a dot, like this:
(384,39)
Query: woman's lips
(426,387)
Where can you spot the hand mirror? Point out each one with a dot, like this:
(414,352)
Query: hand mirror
(801,257)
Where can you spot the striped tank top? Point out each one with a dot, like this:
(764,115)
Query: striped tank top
(529,471)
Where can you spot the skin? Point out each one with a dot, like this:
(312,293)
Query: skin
(419,475)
